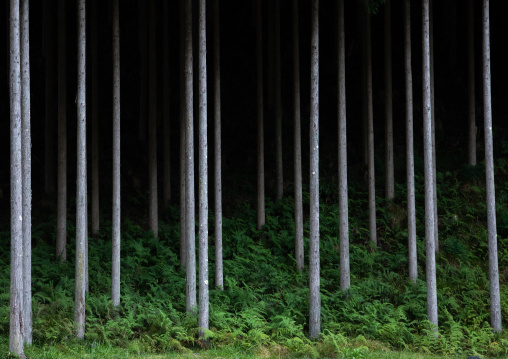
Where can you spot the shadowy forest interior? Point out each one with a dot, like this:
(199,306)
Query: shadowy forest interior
(254,178)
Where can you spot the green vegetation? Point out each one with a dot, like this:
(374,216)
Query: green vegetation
(263,309)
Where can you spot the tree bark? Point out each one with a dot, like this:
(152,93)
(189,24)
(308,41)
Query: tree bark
(278,106)
(431,44)
(428,169)
(189,182)
(495,301)
(299,252)
(410,171)
(61,227)
(343,192)
(166,188)
(260,119)
(81,217)
(143,49)
(49,126)
(219,276)
(95,124)
(16,287)
(183,146)
(370,130)
(471,84)
(314,277)
(390,182)
(115,278)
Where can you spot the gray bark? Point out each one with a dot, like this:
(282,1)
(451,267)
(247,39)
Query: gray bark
(61,226)
(95,124)
(166,187)
(260,119)
(26,153)
(434,182)
(278,106)
(343,192)
(219,276)
(390,186)
(314,277)
(428,169)
(183,247)
(81,217)
(189,171)
(471,84)
(16,289)
(152,124)
(49,126)
(410,171)
(115,277)
(370,131)
(299,255)
(495,301)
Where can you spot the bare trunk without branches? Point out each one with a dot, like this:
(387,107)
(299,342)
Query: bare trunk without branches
(166,187)
(389,180)
(471,84)
(370,130)
(95,123)
(260,119)
(183,247)
(278,106)
(49,125)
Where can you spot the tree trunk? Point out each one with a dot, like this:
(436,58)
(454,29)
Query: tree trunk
(428,169)
(81,218)
(278,106)
(183,159)
(143,49)
(166,188)
(495,302)
(410,171)
(314,278)
(364,14)
(95,124)
(299,253)
(343,193)
(219,276)
(434,182)
(115,278)
(26,153)
(390,186)
(16,290)
(61,227)
(49,145)
(189,171)
(260,119)
(370,130)
(471,84)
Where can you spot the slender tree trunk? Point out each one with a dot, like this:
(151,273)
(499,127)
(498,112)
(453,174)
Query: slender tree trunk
(49,148)
(370,130)
(390,186)
(61,227)
(189,171)
(428,169)
(81,218)
(16,290)
(314,277)
(299,255)
(219,277)
(95,124)
(183,159)
(495,301)
(410,171)
(152,125)
(278,106)
(143,49)
(260,119)
(434,182)
(166,188)
(26,153)
(115,278)
(343,193)
(364,15)
(471,84)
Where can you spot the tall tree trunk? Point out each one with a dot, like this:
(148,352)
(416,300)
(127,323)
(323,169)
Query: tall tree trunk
(189,171)
(471,84)
(61,227)
(260,119)
(495,301)
(299,255)
(95,124)
(219,276)
(364,15)
(49,126)
(203,175)
(115,277)
(278,106)
(166,188)
(343,193)
(183,157)
(143,78)
(390,186)
(26,153)
(152,125)
(428,169)
(16,290)
(370,130)
(81,217)
(434,182)
(314,285)
(410,170)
